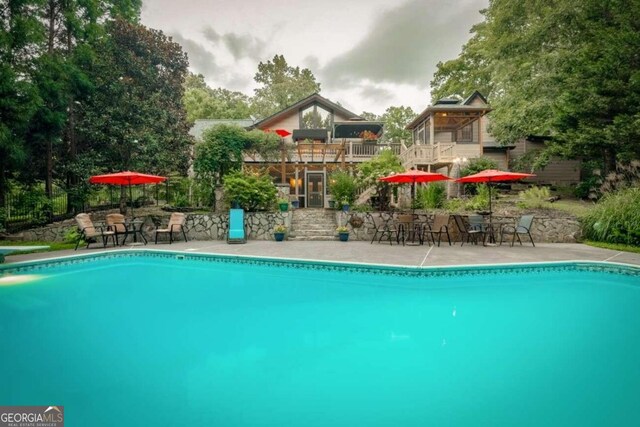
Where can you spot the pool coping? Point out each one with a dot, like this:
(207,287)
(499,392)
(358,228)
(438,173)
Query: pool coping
(375,268)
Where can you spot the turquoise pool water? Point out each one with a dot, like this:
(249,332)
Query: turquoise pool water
(135,339)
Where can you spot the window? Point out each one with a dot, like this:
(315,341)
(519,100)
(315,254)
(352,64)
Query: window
(465,134)
(315,117)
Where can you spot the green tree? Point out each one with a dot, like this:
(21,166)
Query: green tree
(395,121)
(135,120)
(223,148)
(202,102)
(558,69)
(469,72)
(372,117)
(252,192)
(281,86)
(370,171)
(19,32)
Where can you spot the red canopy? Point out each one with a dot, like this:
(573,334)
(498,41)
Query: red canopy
(493,175)
(126,178)
(414,176)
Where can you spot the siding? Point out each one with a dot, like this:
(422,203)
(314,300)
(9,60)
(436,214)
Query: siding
(499,157)
(469,151)
(559,172)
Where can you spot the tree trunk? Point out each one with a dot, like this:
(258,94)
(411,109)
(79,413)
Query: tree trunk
(123,200)
(51,32)
(48,181)
(609,157)
(3,180)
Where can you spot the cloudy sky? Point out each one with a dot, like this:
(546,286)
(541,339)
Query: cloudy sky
(366,54)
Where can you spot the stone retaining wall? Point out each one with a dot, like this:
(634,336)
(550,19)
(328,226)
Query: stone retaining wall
(260,227)
(199,226)
(544,229)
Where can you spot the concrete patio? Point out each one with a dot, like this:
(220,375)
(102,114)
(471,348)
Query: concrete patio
(363,252)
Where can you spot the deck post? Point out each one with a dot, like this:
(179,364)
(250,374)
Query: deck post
(432,128)
(283,163)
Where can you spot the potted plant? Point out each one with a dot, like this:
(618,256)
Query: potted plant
(283,204)
(295,204)
(279,232)
(345,205)
(343,233)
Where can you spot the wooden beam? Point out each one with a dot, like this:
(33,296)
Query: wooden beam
(432,129)
(283,164)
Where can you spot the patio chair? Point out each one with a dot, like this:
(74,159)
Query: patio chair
(523,227)
(90,233)
(439,227)
(176,225)
(237,232)
(383,228)
(406,229)
(116,223)
(467,230)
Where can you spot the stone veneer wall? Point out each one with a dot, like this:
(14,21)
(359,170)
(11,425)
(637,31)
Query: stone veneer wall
(260,227)
(199,226)
(544,229)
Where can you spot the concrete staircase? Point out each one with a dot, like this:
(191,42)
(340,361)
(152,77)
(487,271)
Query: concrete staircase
(313,224)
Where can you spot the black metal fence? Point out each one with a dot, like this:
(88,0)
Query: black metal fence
(27,208)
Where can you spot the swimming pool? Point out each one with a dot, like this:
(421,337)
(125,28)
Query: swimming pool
(165,339)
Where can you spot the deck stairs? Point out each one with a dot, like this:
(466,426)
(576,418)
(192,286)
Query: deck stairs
(313,224)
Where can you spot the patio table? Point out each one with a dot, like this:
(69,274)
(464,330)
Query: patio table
(493,230)
(135,229)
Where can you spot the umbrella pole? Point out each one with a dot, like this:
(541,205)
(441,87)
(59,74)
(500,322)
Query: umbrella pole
(131,200)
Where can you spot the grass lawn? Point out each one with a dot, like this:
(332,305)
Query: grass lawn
(614,246)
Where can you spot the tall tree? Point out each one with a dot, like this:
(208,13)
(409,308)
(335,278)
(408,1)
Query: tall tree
(202,102)
(556,68)
(20,31)
(282,86)
(71,27)
(136,119)
(395,121)
(372,117)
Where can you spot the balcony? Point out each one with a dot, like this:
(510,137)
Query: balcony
(358,151)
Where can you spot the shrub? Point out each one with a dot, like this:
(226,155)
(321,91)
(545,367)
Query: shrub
(534,198)
(615,218)
(73,236)
(481,200)
(280,228)
(454,205)
(342,187)
(478,164)
(251,192)
(362,208)
(431,196)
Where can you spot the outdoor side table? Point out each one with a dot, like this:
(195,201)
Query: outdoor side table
(135,228)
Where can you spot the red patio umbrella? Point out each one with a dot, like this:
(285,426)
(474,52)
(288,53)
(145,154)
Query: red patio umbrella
(127,178)
(493,175)
(281,132)
(413,176)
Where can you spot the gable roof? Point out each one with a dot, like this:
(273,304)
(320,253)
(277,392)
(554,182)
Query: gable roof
(473,96)
(311,99)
